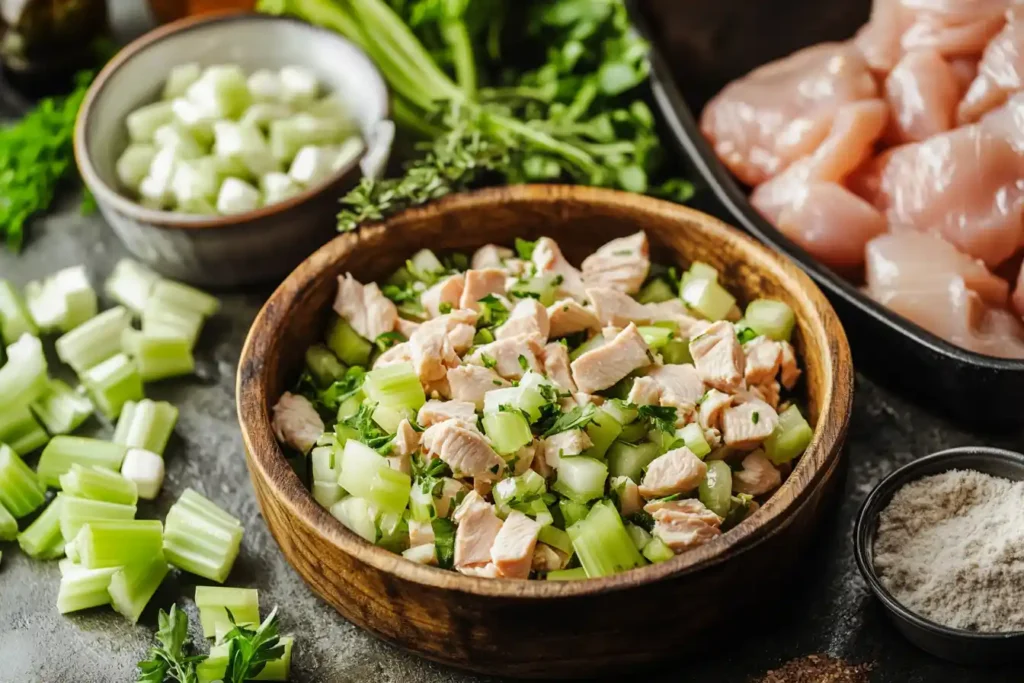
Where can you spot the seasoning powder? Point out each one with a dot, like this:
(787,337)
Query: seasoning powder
(950,547)
(818,669)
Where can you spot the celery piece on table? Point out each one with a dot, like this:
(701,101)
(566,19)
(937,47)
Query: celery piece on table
(82,588)
(158,357)
(214,602)
(201,538)
(146,424)
(215,666)
(15,319)
(95,340)
(602,543)
(61,409)
(113,383)
(130,284)
(167,293)
(77,512)
(42,539)
(23,378)
(64,451)
(62,301)
(20,430)
(20,489)
(133,585)
(115,543)
(159,320)
(8,525)
(98,483)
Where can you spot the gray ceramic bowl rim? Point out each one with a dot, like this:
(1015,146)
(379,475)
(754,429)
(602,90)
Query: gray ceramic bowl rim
(865,531)
(170,219)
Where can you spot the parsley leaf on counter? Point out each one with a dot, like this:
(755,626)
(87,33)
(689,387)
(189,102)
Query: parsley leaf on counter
(252,649)
(167,660)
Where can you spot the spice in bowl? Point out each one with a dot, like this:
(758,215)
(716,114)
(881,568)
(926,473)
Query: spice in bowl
(950,547)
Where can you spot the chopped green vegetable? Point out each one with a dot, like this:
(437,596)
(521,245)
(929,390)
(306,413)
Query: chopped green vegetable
(133,585)
(64,451)
(572,511)
(20,430)
(158,357)
(62,301)
(15,319)
(356,514)
(508,431)
(98,483)
(60,408)
(115,543)
(42,539)
(77,512)
(444,541)
(20,490)
(201,538)
(146,424)
(171,658)
(629,460)
(366,474)
(656,291)
(214,602)
(581,479)
(556,538)
(323,365)
(656,337)
(657,551)
(716,488)
(23,378)
(8,525)
(170,322)
(130,284)
(773,319)
(169,294)
(676,352)
(692,437)
(395,386)
(82,588)
(574,574)
(347,344)
(791,437)
(577,418)
(94,341)
(113,383)
(603,430)
(708,298)
(602,543)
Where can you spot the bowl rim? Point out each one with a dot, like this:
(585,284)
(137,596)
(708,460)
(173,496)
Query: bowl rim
(865,530)
(184,221)
(266,460)
(680,121)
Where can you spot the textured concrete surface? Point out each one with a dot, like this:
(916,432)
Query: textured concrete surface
(827,610)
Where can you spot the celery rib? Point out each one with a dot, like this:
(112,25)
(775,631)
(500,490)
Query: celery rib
(20,430)
(94,341)
(116,543)
(201,538)
(42,539)
(61,409)
(98,483)
(20,490)
(23,378)
(64,451)
(82,588)
(113,383)
(214,602)
(132,586)
(146,424)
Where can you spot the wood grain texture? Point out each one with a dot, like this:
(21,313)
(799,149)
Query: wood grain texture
(538,628)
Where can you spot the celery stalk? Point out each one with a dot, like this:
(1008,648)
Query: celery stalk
(508,431)
(64,451)
(98,483)
(147,424)
(132,586)
(130,284)
(357,515)
(693,438)
(657,551)
(8,525)
(215,666)
(323,365)
(773,319)
(63,301)
(278,669)
(655,292)
(628,460)
(656,337)
(676,352)
(170,294)
(524,398)
(580,478)
(112,383)
(528,485)
(169,322)
(201,538)
(20,490)
(61,409)
(113,543)
(42,538)
(214,602)
(556,538)
(603,431)
(94,341)
(572,511)
(23,378)
(82,588)
(715,491)
(77,512)
(347,344)
(15,319)
(158,357)
(707,297)
(20,430)
(366,474)
(791,437)
(395,386)
(574,574)
(602,543)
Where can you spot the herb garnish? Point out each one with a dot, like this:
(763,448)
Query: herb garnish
(524,248)
(577,418)
(745,334)
(444,308)
(660,417)
(168,660)
(369,431)
(488,362)
(444,541)
(492,312)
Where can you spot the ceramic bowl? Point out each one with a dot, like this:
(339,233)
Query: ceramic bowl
(545,628)
(244,248)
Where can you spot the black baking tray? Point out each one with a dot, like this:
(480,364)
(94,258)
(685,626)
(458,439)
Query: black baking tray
(699,47)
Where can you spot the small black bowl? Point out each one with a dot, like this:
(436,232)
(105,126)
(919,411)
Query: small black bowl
(952,644)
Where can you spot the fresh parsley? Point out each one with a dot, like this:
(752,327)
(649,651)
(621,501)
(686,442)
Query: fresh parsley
(524,363)
(369,432)
(444,308)
(524,248)
(488,362)
(444,541)
(493,312)
(745,334)
(659,417)
(252,649)
(577,418)
(169,659)
(385,340)
(755,417)
(327,401)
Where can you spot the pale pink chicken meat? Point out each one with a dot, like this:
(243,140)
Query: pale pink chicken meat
(448,291)
(513,547)
(789,371)
(527,317)
(435,412)
(604,366)
(431,351)
(628,493)
(366,309)
(552,448)
(1000,71)
(407,439)
(399,353)
(621,264)
(548,259)
(719,358)
(296,422)
(684,524)
(758,476)
(470,383)
(748,424)
(763,358)
(480,283)
(548,559)
(568,316)
(675,311)
(711,408)
(676,471)
(490,256)
(504,355)
(952,28)
(477,527)
(556,366)
(465,450)
(644,392)
(922,91)
(679,387)
(615,308)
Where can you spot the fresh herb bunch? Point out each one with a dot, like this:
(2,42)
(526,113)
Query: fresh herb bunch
(568,111)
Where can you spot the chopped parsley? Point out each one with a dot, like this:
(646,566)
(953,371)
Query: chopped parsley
(524,248)
(326,401)
(660,417)
(456,262)
(524,363)
(492,312)
(497,382)
(577,418)
(386,340)
(745,334)
(488,361)
(369,432)
(444,541)
(755,417)
(623,252)
(444,308)
(643,520)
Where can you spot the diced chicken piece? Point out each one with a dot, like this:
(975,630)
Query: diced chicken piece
(767,392)
(616,308)
(406,327)
(523,459)
(568,317)
(503,355)
(477,528)
(761,123)
(407,439)
(677,471)
(1000,71)
(922,93)
(628,492)
(448,291)
(556,366)
(950,30)
(296,422)
(512,551)
(548,559)
(432,351)
(666,509)
(465,450)
(480,283)
(604,366)
(451,489)
(461,337)
(719,358)
(748,424)
(552,448)
(711,408)
(584,399)
(790,371)
(548,259)
(684,524)
(527,317)
(674,310)
(490,256)
(645,392)
(483,486)
(763,357)
(621,264)
(400,463)
(420,533)
(421,554)
(680,387)
(399,353)
(481,571)
(366,309)
(469,383)
(436,412)
(758,476)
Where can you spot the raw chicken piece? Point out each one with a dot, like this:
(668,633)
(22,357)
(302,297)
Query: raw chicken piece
(676,471)
(407,439)
(684,524)
(366,309)
(748,424)
(504,354)
(420,533)
(556,366)
(758,476)
(448,291)
(477,528)
(628,494)
(450,490)
(490,256)
(951,28)
(879,39)
(763,358)
(621,264)
(719,358)
(406,327)
(435,412)
(512,550)
(604,366)
(1000,71)
(527,317)
(922,93)
(614,308)
(548,259)
(480,283)
(568,317)
(296,422)
(432,351)
(465,450)
(471,382)
(964,70)
(761,123)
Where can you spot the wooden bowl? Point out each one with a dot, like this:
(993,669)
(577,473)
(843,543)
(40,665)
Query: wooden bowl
(545,629)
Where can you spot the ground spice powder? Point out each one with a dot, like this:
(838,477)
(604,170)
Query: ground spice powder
(818,669)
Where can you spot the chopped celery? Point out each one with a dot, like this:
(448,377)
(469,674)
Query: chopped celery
(130,284)
(656,291)
(132,586)
(708,298)
(167,321)
(526,486)
(23,378)
(629,460)
(640,537)
(170,294)
(421,502)
(715,490)
(346,344)
(357,516)
(147,424)
(20,489)
(214,602)
(508,431)
(179,79)
(114,543)
(693,438)
(556,538)
(77,512)
(595,342)
(602,430)
(657,551)
(656,337)
(64,451)
(201,538)
(326,463)
(42,539)
(574,574)
(581,479)
(602,543)
(158,357)
(143,122)
(388,418)
(15,319)
(543,288)
(289,135)
(572,511)
(773,319)
(82,588)
(676,352)
(523,398)
(8,525)
(323,365)
(791,437)
(700,271)
(349,407)
(634,432)
(425,266)
(623,413)
(395,386)
(366,474)
(278,669)
(327,493)
(62,301)
(113,383)
(61,409)
(215,666)
(221,90)
(20,430)
(95,340)
(98,483)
